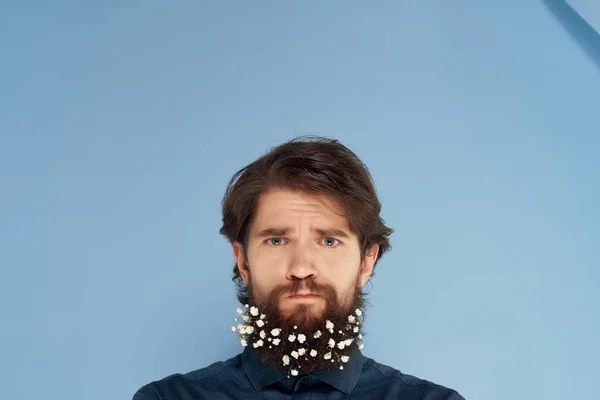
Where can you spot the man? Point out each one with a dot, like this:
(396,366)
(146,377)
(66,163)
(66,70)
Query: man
(304,224)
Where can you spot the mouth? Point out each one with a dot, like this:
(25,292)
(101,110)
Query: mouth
(304,296)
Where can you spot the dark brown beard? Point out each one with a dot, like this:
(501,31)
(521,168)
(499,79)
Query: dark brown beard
(302,321)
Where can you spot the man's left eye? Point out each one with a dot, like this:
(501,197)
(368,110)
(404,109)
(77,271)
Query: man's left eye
(330,242)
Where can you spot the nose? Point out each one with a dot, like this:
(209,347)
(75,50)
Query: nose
(302,264)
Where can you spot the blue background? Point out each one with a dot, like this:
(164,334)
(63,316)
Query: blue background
(121,122)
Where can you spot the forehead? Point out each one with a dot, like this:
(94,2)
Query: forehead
(278,206)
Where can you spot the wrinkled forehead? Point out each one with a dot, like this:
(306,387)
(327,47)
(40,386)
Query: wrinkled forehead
(281,207)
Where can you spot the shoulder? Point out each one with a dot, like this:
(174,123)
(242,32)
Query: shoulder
(176,386)
(407,385)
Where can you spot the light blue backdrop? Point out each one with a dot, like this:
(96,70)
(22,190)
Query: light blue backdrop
(120,123)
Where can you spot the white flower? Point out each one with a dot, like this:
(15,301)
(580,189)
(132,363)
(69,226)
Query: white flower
(358,312)
(275,331)
(327,356)
(239,311)
(351,318)
(241,328)
(243,342)
(313,353)
(361,346)
(348,341)
(276,342)
(291,338)
(301,351)
(328,324)
(254,311)
(331,343)
(260,343)
(360,336)
(341,367)
(255,345)
(260,323)
(345,359)
(341,345)
(355,329)
(317,334)
(294,354)
(233,328)
(262,316)
(246,305)
(286,359)
(294,372)
(249,329)
(301,338)
(262,334)
(246,318)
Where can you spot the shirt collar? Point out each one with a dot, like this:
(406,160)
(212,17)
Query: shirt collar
(261,375)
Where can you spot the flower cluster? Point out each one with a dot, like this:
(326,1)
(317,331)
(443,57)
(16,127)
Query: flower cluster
(252,328)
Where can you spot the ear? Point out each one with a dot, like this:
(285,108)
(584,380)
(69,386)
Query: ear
(240,258)
(368,264)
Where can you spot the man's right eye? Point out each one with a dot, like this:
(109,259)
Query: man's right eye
(275,241)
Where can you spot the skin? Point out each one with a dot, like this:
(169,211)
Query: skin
(297,236)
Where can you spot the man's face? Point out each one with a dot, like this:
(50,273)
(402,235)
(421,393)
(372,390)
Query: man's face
(302,255)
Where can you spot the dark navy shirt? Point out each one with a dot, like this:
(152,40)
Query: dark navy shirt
(246,377)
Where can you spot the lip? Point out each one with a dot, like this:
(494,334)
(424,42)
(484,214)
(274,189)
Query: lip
(305,296)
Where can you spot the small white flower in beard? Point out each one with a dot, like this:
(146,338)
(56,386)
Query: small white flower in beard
(355,329)
(341,367)
(358,312)
(327,356)
(317,334)
(301,351)
(262,334)
(241,329)
(254,311)
(260,323)
(275,331)
(301,338)
(341,345)
(286,359)
(249,329)
(276,341)
(233,328)
(263,316)
(351,318)
(239,311)
(348,341)
(345,359)
(294,372)
(243,342)
(246,318)
(294,354)
(328,324)
(291,338)
(361,346)
(360,336)
(331,343)
(313,353)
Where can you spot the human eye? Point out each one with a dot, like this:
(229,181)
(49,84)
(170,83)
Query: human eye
(330,242)
(275,241)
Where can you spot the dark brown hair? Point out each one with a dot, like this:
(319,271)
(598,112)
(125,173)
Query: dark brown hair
(313,165)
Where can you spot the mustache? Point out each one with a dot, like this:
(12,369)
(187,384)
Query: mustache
(324,290)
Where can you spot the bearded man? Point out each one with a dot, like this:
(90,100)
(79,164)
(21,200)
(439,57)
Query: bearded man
(305,227)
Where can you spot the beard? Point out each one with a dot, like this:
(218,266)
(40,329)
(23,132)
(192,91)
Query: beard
(314,352)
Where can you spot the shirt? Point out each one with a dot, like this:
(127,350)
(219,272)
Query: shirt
(246,377)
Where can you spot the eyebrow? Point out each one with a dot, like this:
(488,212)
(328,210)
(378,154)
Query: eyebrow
(277,232)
